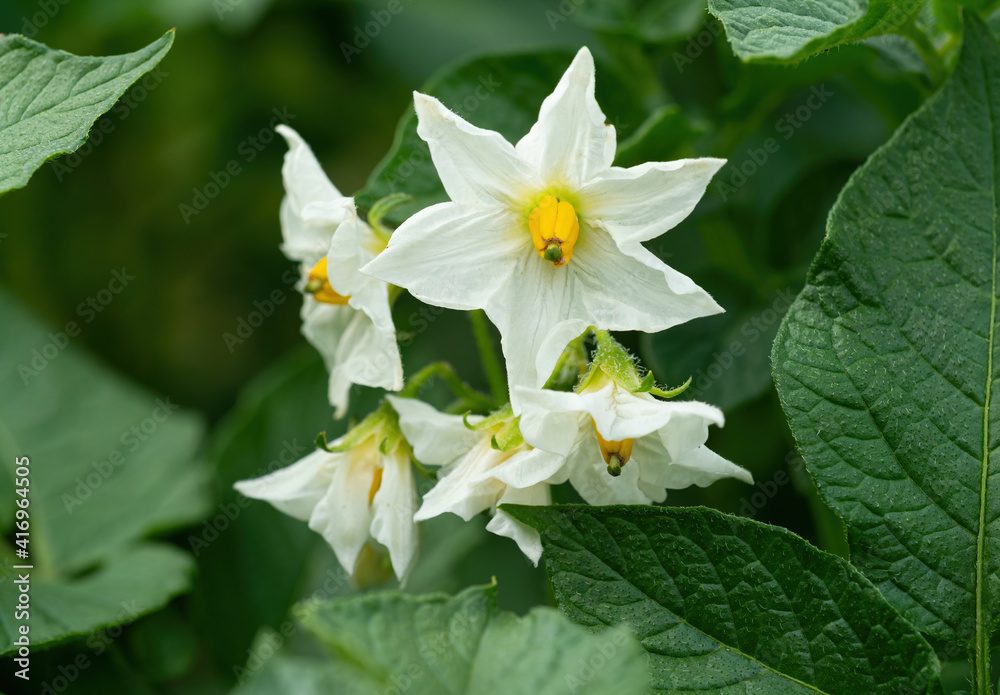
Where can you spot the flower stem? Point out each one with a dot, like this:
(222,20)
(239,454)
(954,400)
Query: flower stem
(488,356)
(452,381)
(932,59)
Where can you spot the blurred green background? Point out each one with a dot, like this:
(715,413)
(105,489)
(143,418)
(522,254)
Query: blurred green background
(117,204)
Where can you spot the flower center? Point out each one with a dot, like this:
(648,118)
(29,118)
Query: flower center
(318,285)
(616,454)
(554,230)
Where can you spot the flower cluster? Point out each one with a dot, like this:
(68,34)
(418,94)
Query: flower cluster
(545,237)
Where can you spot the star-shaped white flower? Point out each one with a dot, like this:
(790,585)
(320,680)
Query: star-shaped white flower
(546,236)
(652,445)
(475,476)
(350,498)
(345,314)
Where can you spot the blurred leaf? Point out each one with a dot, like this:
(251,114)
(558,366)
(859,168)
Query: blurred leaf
(51,98)
(131,584)
(252,558)
(729,605)
(499,93)
(110,464)
(662,137)
(885,364)
(653,21)
(462,644)
(298,675)
(790,30)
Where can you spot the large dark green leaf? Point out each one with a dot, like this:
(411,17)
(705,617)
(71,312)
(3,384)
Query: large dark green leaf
(498,93)
(436,643)
(109,464)
(49,99)
(655,21)
(886,362)
(790,30)
(724,604)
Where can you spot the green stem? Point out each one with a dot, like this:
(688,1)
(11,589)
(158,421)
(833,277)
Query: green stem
(444,371)
(929,54)
(488,356)
(982,680)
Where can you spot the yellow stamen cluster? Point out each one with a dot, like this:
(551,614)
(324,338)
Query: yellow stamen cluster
(554,230)
(318,285)
(616,454)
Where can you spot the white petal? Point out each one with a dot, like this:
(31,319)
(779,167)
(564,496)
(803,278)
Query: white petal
(454,257)
(436,438)
(632,290)
(503,524)
(305,184)
(476,166)
(570,143)
(619,414)
(297,489)
(643,202)
(700,466)
(393,508)
(550,420)
(344,516)
(465,489)
(528,468)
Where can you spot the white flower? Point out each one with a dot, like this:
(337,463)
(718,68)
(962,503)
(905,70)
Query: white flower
(475,476)
(624,447)
(351,498)
(546,236)
(345,315)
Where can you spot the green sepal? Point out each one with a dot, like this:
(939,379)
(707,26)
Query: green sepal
(648,383)
(495,419)
(383,207)
(672,393)
(508,436)
(572,364)
(615,361)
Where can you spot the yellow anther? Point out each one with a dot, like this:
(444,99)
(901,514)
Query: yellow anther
(554,230)
(616,454)
(376,484)
(318,285)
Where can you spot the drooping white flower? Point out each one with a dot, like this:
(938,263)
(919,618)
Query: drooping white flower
(476,475)
(623,447)
(352,497)
(546,236)
(346,315)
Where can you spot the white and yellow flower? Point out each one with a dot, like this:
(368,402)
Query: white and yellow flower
(546,236)
(622,445)
(346,315)
(362,494)
(484,463)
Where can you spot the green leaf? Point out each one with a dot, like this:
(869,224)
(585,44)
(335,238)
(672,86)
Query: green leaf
(653,21)
(131,584)
(462,644)
(790,30)
(885,364)
(498,93)
(724,604)
(109,464)
(51,98)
